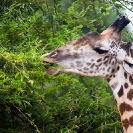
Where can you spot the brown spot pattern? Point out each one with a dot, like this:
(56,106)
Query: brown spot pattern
(125,75)
(97,67)
(85,68)
(106,62)
(110,60)
(91,71)
(80,70)
(113,70)
(103,68)
(83,44)
(113,43)
(120,92)
(126,85)
(114,85)
(77,47)
(92,65)
(79,64)
(125,123)
(106,57)
(118,68)
(113,62)
(72,65)
(107,75)
(131,120)
(67,50)
(108,79)
(130,94)
(108,69)
(126,47)
(99,60)
(124,107)
(131,80)
(84,40)
(100,64)
(88,64)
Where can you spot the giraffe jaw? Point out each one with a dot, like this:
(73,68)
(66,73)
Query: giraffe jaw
(55,67)
(52,71)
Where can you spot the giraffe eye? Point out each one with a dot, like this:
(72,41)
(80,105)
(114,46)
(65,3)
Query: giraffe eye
(100,51)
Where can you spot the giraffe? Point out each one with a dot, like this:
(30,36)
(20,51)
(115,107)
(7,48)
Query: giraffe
(101,54)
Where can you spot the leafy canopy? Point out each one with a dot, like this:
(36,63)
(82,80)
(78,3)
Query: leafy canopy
(30,100)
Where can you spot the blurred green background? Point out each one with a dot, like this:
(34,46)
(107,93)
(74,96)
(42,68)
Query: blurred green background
(30,100)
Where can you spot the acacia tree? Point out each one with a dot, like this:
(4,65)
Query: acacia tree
(30,100)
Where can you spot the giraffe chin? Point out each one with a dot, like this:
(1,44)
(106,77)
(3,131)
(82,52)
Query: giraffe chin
(52,71)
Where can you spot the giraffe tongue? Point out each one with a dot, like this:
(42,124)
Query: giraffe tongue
(120,23)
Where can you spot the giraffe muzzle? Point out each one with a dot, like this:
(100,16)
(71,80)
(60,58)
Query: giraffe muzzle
(50,66)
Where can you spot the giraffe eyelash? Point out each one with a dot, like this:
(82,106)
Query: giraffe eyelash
(100,51)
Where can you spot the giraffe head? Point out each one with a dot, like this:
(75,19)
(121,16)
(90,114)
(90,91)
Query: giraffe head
(103,55)
(93,54)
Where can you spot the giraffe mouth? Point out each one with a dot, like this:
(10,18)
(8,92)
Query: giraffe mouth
(50,67)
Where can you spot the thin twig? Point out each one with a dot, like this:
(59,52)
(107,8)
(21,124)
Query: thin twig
(31,122)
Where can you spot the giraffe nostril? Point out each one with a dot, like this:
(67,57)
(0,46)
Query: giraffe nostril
(54,54)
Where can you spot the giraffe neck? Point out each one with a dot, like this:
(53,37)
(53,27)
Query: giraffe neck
(122,87)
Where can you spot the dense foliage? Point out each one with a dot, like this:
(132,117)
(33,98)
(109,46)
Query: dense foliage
(30,100)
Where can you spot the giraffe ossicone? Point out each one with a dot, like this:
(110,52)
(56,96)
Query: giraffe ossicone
(101,54)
